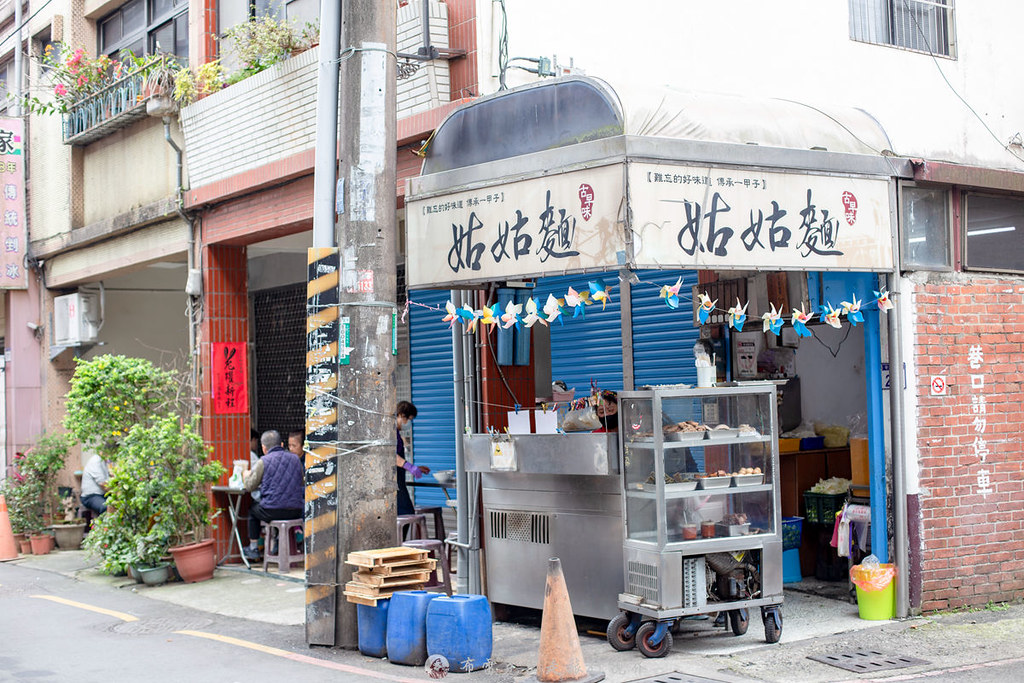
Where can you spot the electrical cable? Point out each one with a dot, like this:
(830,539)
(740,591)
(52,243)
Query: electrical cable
(835,354)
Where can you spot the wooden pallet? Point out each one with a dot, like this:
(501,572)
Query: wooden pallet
(387,557)
(397,576)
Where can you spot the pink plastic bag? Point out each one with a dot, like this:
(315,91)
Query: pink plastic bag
(872,577)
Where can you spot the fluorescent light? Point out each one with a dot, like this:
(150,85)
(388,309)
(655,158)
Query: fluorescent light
(915,240)
(990,231)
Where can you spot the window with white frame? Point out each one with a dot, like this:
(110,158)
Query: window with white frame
(994,237)
(7,83)
(921,25)
(924,228)
(145,27)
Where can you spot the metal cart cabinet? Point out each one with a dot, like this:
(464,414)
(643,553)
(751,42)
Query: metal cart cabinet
(699,473)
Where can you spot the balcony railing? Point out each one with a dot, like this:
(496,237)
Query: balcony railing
(117,105)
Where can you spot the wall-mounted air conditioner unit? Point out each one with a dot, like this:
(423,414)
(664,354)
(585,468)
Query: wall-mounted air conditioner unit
(76,318)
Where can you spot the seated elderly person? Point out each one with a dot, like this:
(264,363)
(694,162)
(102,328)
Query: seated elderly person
(279,478)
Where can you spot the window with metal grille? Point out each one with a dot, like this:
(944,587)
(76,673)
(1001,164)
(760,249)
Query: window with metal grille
(920,25)
(279,319)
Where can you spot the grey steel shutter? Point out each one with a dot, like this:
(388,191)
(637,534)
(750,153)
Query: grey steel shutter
(433,390)
(662,338)
(585,349)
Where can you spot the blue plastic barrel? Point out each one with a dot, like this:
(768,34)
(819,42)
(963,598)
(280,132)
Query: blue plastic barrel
(373,628)
(407,627)
(459,628)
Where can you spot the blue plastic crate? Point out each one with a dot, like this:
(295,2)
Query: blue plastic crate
(792,528)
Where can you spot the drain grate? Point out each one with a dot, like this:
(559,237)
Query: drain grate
(862,661)
(677,677)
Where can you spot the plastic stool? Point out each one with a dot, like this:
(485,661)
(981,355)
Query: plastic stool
(435,548)
(439,533)
(285,542)
(417,526)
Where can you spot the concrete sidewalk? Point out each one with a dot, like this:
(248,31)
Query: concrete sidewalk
(812,625)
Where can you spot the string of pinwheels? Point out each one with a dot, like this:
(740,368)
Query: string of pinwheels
(573,304)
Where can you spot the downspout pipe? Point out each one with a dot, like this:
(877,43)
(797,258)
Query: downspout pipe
(899,471)
(190,254)
(18,69)
(325,164)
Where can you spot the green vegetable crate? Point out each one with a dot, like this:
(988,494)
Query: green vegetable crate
(822,507)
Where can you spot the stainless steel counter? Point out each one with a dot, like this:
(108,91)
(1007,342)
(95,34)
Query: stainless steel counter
(551,495)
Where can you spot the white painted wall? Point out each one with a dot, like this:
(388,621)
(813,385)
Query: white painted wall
(799,50)
(832,389)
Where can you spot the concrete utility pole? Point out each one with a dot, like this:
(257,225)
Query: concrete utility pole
(366,244)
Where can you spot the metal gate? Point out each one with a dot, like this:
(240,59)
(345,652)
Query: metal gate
(279,358)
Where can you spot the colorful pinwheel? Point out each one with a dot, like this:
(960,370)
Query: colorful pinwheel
(738,315)
(469,318)
(511,315)
(552,309)
(772,321)
(884,302)
(706,306)
(599,292)
(799,322)
(489,315)
(531,313)
(577,301)
(852,311)
(453,314)
(671,294)
(831,315)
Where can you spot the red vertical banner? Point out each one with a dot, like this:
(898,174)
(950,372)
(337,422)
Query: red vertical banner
(230,378)
(14,223)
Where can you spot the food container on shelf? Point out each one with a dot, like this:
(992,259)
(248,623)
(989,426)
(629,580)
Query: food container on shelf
(812,443)
(747,479)
(707,529)
(789,445)
(715,482)
(689,532)
(732,529)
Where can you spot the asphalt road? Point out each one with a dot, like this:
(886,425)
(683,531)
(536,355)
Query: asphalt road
(56,629)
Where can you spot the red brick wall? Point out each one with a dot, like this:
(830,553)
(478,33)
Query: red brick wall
(225,319)
(973,542)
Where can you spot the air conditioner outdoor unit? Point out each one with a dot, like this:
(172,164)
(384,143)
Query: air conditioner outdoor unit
(76,318)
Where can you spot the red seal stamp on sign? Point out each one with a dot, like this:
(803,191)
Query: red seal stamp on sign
(586,201)
(850,203)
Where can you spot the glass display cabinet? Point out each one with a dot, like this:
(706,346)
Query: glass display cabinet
(699,471)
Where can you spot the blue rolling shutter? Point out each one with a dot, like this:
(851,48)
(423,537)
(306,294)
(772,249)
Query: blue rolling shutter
(585,349)
(663,339)
(433,391)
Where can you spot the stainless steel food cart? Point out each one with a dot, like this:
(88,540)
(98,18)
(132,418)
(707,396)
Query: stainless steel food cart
(701,511)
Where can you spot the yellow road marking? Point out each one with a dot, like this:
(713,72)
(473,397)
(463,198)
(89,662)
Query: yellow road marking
(81,605)
(305,659)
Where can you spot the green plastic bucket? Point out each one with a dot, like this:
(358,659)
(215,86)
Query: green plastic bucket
(877,605)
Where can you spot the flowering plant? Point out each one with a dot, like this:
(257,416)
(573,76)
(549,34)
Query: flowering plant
(73,75)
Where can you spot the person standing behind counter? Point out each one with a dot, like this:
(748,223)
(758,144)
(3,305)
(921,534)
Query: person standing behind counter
(404,414)
(278,476)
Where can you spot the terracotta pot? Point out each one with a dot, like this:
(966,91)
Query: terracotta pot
(195,562)
(40,545)
(25,546)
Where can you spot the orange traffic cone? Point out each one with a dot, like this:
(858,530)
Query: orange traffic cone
(8,551)
(560,657)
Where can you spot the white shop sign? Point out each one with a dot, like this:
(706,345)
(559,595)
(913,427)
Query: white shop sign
(722,218)
(566,222)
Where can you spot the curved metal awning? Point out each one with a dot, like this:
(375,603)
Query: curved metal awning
(570,110)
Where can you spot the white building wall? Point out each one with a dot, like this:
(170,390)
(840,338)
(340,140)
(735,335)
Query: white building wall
(798,50)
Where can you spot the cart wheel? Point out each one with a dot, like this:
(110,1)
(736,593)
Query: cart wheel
(772,628)
(618,633)
(643,636)
(739,619)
